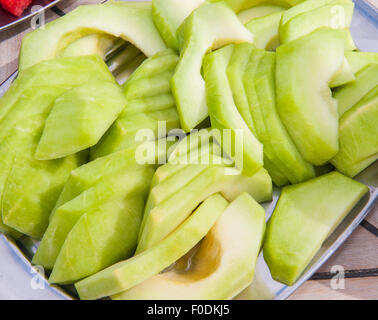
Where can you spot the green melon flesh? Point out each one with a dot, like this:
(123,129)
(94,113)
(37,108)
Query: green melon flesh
(134,129)
(223,264)
(336,14)
(92,44)
(259,82)
(30,188)
(304,101)
(175,208)
(90,186)
(239,5)
(168,15)
(125,275)
(358,60)
(350,94)
(344,76)
(100,238)
(265,31)
(90,109)
(132,23)
(149,100)
(208,27)
(305,215)
(358,136)
(259,11)
(225,116)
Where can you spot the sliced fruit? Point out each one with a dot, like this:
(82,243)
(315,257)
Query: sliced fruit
(208,27)
(91,44)
(344,76)
(235,69)
(259,11)
(222,265)
(134,129)
(265,31)
(358,136)
(278,146)
(225,116)
(358,60)
(125,72)
(335,14)
(350,94)
(90,186)
(29,187)
(125,275)
(90,109)
(304,100)
(132,23)
(305,215)
(48,79)
(149,100)
(168,16)
(238,5)
(100,238)
(162,219)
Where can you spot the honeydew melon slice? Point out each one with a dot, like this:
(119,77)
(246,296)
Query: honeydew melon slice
(305,102)
(131,272)
(132,181)
(285,154)
(305,215)
(336,14)
(224,114)
(239,5)
(100,238)
(119,19)
(235,70)
(127,131)
(168,214)
(350,94)
(265,31)
(29,187)
(344,76)
(50,78)
(358,60)
(221,267)
(168,15)
(92,44)
(208,27)
(358,136)
(89,109)
(259,11)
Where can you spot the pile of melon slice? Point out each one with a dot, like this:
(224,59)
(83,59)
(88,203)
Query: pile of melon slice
(139,139)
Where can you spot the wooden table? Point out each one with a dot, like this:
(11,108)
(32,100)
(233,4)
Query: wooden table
(359,254)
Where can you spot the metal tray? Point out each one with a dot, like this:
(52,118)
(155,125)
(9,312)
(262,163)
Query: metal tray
(20,280)
(7,20)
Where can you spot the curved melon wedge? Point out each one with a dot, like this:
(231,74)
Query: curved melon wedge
(208,27)
(101,237)
(259,11)
(304,101)
(119,19)
(336,14)
(125,275)
(358,136)
(90,109)
(168,16)
(350,94)
(221,267)
(305,215)
(224,115)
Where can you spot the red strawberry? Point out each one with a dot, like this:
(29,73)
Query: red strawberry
(15,7)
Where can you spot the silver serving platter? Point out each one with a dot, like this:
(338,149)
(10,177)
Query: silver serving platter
(19,279)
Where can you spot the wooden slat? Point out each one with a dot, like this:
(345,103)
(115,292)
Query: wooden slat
(355,289)
(358,252)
